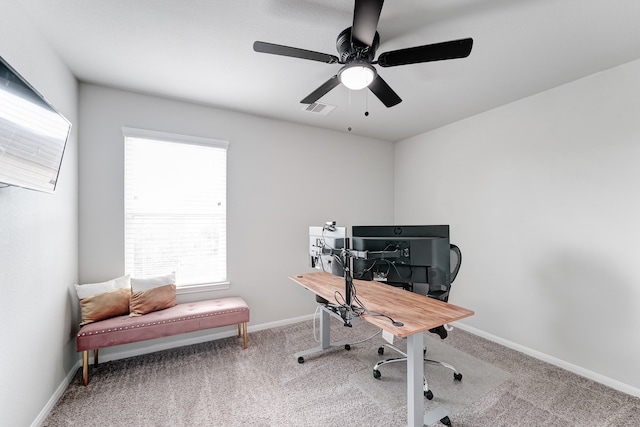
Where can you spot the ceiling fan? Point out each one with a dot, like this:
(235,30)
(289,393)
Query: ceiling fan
(357,48)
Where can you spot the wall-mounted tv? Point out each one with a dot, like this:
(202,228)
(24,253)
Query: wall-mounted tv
(33,135)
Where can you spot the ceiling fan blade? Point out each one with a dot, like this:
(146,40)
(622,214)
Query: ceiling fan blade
(294,52)
(366,14)
(430,52)
(383,91)
(322,90)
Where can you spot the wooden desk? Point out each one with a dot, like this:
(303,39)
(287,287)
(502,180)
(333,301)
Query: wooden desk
(417,312)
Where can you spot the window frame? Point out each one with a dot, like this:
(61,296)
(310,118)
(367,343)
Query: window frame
(129,132)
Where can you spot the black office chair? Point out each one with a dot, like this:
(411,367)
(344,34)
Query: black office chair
(441,293)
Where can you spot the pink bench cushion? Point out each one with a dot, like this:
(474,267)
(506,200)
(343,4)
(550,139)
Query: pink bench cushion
(179,319)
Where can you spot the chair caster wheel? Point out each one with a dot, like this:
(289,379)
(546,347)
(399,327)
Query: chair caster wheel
(380,351)
(347,347)
(300,359)
(457,376)
(428,394)
(376,374)
(446,421)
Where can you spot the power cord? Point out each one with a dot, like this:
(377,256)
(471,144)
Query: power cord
(317,338)
(360,309)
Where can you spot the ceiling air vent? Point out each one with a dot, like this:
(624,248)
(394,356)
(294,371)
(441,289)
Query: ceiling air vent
(318,108)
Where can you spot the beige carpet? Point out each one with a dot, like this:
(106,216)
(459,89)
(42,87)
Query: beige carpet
(219,384)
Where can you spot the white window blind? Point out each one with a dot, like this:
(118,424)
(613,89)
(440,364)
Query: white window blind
(175,207)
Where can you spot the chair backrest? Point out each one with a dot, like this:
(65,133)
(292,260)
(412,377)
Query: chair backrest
(456,261)
(441,291)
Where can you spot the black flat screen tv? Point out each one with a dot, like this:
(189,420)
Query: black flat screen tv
(33,135)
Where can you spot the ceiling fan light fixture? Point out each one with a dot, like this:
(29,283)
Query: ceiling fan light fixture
(356,76)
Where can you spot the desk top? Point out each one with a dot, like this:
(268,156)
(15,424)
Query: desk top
(419,313)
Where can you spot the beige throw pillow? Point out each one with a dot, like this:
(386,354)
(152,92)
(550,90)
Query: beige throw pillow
(103,306)
(99,301)
(153,294)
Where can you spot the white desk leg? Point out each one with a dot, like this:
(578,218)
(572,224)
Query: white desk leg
(325,329)
(415,374)
(415,393)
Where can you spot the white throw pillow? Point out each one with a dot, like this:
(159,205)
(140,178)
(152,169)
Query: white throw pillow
(138,285)
(91,289)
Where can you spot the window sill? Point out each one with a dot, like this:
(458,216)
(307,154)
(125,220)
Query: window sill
(206,287)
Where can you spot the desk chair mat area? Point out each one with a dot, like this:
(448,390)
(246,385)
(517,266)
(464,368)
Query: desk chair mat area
(478,377)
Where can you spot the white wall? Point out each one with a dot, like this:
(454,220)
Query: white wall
(282,178)
(542,198)
(38,245)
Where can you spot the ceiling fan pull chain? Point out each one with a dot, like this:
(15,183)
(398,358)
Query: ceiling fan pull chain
(366,103)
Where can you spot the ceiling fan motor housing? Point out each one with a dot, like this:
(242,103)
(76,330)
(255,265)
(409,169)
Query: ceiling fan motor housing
(355,51)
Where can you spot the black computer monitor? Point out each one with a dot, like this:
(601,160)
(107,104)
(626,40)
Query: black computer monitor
(415,257)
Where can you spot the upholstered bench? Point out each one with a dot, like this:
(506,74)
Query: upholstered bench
(179,319)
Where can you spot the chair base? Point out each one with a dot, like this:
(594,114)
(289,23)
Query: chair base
(425,386)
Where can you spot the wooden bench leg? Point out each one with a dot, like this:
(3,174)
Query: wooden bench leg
(244,333)
(85,364)
(85,367)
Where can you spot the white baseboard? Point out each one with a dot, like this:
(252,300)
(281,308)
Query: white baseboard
(180,342)
(610,382)
(56,395)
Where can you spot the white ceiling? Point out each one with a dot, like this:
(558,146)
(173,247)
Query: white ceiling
(201,51)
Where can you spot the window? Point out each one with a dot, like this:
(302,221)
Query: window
(175,208)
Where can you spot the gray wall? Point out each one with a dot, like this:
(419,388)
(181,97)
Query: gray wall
(38,245)
(282,178)
(542,198)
